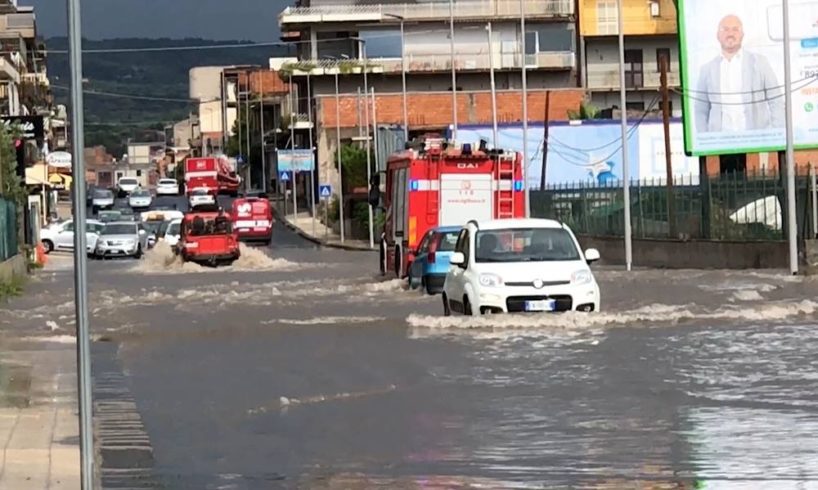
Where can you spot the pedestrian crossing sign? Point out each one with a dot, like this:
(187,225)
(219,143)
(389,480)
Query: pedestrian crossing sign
(325,191)
(284,176)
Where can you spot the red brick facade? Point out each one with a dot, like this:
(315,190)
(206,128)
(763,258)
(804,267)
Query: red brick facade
(434,109)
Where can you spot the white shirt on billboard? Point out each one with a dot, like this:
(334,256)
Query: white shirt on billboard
(733,117)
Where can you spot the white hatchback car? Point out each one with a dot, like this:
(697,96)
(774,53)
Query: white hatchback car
(167,187)
(519,265)
(60,236)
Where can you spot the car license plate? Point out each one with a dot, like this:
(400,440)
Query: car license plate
(541,305)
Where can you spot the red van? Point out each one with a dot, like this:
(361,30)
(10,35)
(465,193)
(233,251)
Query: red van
(253,219)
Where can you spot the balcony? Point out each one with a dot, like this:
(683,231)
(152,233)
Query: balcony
(22,24)
(36,78)
(609,80)
(553,60)
(8,72)
(470,10)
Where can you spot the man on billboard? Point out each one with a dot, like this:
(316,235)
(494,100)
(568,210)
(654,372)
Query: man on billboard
(738,89)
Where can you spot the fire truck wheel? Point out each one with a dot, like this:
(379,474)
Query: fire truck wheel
(398,262)
(383,258)
(447,310)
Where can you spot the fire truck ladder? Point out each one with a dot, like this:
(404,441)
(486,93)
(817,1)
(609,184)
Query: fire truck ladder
(505,185)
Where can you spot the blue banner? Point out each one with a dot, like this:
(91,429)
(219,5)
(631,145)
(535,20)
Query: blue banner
(296,160)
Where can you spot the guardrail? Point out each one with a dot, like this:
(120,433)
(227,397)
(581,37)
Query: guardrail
(728,207)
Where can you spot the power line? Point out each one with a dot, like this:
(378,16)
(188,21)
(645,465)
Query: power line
(127,96)
(685,93)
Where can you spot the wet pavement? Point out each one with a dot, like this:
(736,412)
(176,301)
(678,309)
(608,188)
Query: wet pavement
(298,367)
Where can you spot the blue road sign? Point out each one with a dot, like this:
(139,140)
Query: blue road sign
(239,159)
(325,191)
(284,176)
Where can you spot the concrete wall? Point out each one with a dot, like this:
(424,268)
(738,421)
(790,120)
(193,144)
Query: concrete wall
(13,267)
(700,254)
(602,61)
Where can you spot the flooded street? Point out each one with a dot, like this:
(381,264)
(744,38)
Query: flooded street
(298,367)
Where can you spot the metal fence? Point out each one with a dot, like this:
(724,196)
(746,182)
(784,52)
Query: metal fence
(8,229)
(727,207)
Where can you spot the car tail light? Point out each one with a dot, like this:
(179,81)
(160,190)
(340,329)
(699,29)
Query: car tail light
(433,248)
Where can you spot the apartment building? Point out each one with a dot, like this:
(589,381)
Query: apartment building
(650,35)
(392,39)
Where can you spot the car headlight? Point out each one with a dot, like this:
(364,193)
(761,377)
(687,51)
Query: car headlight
(490,280)
(581,277)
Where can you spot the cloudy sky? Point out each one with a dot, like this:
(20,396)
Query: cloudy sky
(254,20)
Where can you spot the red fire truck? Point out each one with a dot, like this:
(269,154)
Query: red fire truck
(212,173)
(436,185)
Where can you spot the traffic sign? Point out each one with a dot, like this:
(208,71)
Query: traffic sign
(239,159)
(284,176)
(325,191)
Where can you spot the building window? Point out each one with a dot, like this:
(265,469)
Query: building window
(635,106)
(662,53)
(654,8)
(634,70)
(139,173)
(607,21)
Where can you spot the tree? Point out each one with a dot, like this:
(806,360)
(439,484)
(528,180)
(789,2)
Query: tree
(11,184)
(353,159)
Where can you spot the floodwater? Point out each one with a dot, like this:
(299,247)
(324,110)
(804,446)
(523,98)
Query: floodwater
(302,369)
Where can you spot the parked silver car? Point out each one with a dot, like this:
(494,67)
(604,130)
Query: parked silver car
(121,239)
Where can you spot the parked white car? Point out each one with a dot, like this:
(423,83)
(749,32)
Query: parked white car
(167,187)
(519,265)
(121,239)
(140,199)
(60,236)
(201,197)
(126,185)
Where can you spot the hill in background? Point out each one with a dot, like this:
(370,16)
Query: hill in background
(111,120)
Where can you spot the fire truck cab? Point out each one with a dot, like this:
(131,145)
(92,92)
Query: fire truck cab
(438,184)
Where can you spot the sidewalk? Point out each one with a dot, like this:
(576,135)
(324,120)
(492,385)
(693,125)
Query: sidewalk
(39,424)
(316,232)
(39,427)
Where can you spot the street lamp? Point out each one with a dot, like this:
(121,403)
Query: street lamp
(362,53)
(403,74)
(454,72)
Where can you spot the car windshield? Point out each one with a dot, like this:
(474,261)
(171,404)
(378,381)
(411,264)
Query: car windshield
(140,193)
(152,226)
(127,182)
(447,241)
(107,216)
(199,192)
(119,229)
(167,182)
(103,194)
(525,245)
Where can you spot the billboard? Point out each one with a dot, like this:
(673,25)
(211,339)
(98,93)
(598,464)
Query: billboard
(296,160)
(732,63)
(590,152)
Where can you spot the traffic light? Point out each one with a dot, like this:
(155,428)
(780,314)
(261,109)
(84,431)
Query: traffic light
(20,149)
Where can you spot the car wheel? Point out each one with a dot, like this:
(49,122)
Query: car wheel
(467,309)
(427,287)
(48,245)
(447,309)
(138,254)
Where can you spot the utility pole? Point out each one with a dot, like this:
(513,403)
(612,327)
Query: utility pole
(261,127)
(626,189)
(792,231)
(338,155)
(454,71)
(494,142)
(312,154)
(524,76)
(545,139)
(368,146)
(80,257)
(247,132)
(671,212)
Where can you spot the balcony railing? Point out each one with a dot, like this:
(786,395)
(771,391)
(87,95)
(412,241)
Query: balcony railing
(609,79)
(477,9)
(558,60)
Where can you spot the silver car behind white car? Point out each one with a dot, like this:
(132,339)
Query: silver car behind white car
(121,239)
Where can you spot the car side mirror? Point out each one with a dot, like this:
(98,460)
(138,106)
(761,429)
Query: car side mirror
(458,259)
(591,255)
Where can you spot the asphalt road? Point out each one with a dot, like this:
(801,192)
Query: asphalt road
(297,367)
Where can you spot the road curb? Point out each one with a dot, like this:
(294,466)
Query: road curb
(298,231)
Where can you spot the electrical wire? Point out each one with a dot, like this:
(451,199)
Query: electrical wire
(745,92)
(684,93)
